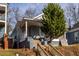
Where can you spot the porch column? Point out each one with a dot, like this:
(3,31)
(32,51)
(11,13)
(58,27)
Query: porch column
(5,34)
(39,31)
(6,19)
(26,28)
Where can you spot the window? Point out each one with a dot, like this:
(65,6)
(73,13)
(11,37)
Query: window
(2,13)
(76,35)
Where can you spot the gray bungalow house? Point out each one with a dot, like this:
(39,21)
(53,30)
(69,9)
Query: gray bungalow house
(27,28)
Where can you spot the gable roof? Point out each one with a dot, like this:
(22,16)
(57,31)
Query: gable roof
(38,17)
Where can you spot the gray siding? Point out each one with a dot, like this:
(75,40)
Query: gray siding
(72,37)
(32,31)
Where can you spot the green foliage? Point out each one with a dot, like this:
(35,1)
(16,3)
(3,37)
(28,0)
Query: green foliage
(53,20)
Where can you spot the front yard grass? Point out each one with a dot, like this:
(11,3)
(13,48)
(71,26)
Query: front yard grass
(20,52)
(72,50)
(6,53)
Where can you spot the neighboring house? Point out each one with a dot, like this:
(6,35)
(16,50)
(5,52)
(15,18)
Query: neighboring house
(27,28)
(3,19)
(73,34)
(3,22)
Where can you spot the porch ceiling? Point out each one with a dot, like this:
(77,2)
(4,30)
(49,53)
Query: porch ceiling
(29,23)
(34,23)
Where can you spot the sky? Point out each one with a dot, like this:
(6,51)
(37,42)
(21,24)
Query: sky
(37,6)
(24,6)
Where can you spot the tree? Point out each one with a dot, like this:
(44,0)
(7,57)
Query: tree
(14,15)
(53,21)
(72,14)
(30,12)
(9,25)
(72,10)
(78,13)
(17,14)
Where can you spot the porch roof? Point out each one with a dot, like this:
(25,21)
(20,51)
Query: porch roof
(73,30)
(29,23)
(34,23)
